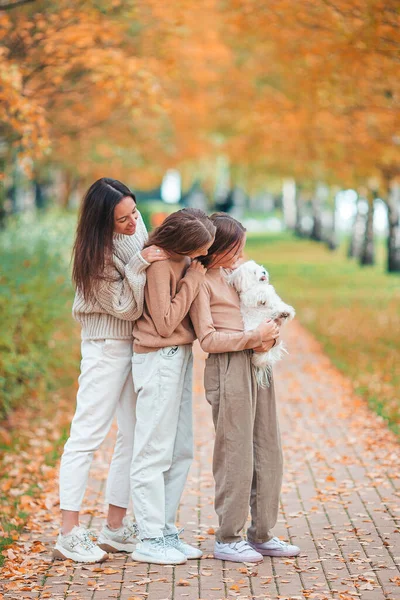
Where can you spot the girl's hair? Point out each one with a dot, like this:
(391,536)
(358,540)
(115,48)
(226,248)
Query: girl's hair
(183,231)
(94,234)
(229,235)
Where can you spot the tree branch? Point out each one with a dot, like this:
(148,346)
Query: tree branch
(14,4)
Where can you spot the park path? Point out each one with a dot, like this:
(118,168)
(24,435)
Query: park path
(340,504)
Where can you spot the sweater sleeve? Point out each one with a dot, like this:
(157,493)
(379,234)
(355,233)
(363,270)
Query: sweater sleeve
(123,296)
(166,312)
(214,341)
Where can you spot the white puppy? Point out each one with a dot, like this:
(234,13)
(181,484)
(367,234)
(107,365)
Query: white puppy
(258,302)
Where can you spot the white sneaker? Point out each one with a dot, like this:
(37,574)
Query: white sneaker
(173,540)
(236,552)
(78,545)
(158,552)
(276,547)
(123,539)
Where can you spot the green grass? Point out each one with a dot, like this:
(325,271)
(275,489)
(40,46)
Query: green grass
(354,311)
(38,355)
(35,305)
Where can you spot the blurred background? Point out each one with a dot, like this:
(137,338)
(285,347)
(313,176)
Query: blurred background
(285,114)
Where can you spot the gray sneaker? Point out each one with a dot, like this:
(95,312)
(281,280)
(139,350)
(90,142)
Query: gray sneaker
(78,545)
(158,552)
(123,539)
(189,551)
(276,547)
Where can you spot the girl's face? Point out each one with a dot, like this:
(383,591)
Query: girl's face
(228,260)
(125,216)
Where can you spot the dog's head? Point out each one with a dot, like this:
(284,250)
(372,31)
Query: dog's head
(247,275)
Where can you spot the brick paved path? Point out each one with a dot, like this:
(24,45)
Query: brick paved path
(340,503)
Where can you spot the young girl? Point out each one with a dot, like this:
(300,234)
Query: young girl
(109,271)
(162,373)
(247,462)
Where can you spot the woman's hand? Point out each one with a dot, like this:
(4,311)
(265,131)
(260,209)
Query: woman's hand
(195,265)
(269,331)
(153,253)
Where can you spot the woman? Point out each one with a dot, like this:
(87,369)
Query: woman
(109,272)
(247,462)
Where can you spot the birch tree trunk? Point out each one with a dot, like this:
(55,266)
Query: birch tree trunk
(357,233)
(289,203)
(367,256)
(393,243)
(299,203)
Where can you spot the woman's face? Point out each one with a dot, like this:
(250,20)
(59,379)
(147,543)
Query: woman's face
(228,260)
(125,216)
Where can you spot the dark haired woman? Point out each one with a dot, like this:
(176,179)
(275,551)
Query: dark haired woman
(247,462)
(162,373)
(109,271)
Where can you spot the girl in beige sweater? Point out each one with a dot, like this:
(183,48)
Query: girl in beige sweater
(109,272)
(247,462)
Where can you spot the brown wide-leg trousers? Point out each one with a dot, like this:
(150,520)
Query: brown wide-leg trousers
(247,462)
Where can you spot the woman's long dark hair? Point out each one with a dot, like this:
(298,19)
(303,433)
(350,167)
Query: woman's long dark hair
(229,235)
(183,232)
(94,234)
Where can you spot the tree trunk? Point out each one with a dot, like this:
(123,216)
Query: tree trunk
(2,190)
(331,238)
(40,196)
(367,256)
(298,229)
(393,243)
(67,190)
(316,203)
(289,203)
(357,233)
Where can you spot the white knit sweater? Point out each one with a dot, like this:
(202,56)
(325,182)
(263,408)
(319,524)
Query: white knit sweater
(119,297)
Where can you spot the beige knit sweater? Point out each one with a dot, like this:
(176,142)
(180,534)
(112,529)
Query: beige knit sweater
(119,297)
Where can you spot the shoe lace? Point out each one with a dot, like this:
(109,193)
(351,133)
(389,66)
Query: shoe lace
(85,538)
(173,538)
(159,543)
(130,530)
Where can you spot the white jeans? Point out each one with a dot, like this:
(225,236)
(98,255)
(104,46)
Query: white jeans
(105,389)
(163,447)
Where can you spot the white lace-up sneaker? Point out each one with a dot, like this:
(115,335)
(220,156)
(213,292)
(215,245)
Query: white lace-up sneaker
(276,547)
(236,552)
(123,539)
(174,541)
(78,545)
(158,552)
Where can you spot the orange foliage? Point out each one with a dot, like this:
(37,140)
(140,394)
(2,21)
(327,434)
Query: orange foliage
(309,90)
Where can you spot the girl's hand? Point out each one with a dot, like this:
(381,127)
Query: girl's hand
(195,265)
(153,253)
(266,346)
(269,331)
